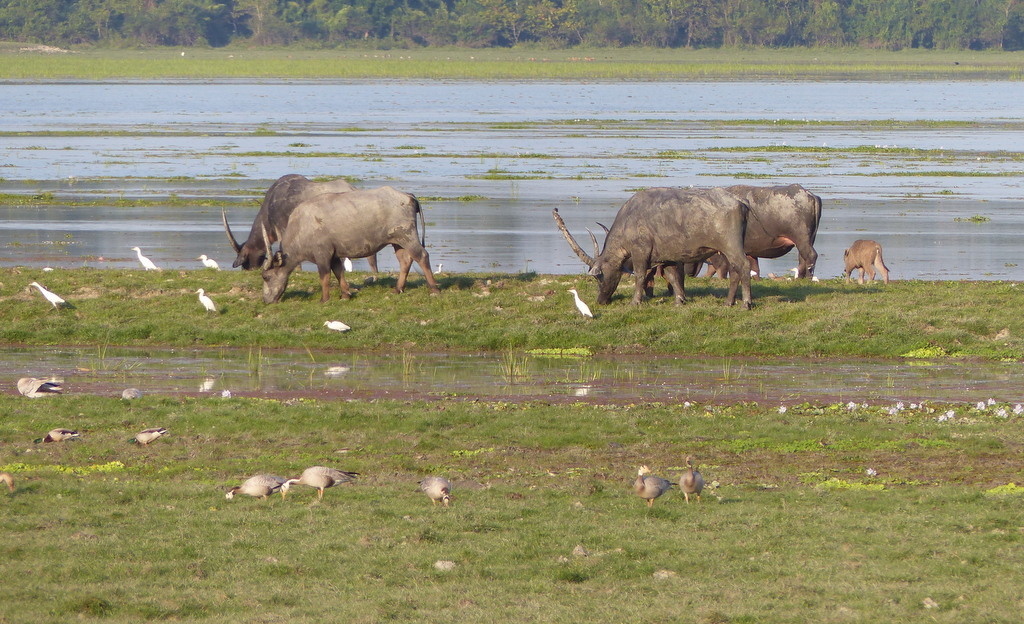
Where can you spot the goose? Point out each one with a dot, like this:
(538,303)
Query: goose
(208,262)
(35,388)
(580,304)
(438,489)
(320,477)
(59,435)
(692,482)
(146,262)
(260,486)
(5,477)
(146,436)
(53,298)
(206,301)
(648,486)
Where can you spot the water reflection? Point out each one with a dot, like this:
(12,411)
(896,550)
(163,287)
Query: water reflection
(515,376)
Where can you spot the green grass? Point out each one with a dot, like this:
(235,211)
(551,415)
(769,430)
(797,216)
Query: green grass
(789,529)
(498,312)
(518,64)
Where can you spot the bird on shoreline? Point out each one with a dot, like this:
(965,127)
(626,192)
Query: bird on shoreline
(438,489)
(206,301)
(321,478)
(59,435)
(53,298)
(580,305)
(337,326)
(648,486)
(260,486)
(146,262)
(691,482)
(209,263)
(35,388)
(144,437)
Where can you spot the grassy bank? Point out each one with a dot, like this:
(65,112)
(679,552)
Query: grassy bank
(824,513)
(21,63)
(515,311)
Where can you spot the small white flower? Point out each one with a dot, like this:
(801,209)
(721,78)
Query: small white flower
(893,411)
(1018,409)
(782,409)
(226,394)
(851,406)
(686,404)
(980,405)
(914,406)
(949,415)
(1002,413)
(991,401)
(899,406)
(871,472)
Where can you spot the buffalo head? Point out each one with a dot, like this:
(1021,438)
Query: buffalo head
(251,254)
(275,273)
(606,266)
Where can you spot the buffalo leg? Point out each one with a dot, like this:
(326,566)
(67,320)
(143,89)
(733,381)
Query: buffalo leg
(755,266)
(881,268)
(338,267)
(373,265)
(676,277)
(739,276)
(640,272)
(325,283)
(404,264)
(805,268)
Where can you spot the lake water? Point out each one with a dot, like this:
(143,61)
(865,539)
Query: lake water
(519,149)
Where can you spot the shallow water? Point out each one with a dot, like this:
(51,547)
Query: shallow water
(610,379)
(584,148)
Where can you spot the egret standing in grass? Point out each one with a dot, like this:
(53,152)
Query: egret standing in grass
(206,301)
(347,263)
(209,263)
(51,297)
(580,305)
(146,262)
(337,326)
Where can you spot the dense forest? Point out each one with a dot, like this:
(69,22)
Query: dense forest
(888,24)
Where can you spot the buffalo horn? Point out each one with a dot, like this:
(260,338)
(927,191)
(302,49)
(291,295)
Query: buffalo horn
(227,228)
(597,250)
(587,260)
(268,261)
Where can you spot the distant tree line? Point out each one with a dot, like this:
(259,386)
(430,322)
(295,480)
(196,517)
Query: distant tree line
(889,24)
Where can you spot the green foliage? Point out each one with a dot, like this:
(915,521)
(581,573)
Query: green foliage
(541,24)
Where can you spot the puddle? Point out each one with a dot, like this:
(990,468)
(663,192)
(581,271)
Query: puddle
(514,376)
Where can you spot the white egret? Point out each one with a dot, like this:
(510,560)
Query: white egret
(580,305)
(209,263)
(35,388)
(51,297)
(337,326)
(146,262)
(440,265)
(206,301)
(347,263)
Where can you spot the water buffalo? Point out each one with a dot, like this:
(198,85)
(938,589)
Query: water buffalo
(280,200)
(781,217)
(328,228)
(668,227)
(863,255)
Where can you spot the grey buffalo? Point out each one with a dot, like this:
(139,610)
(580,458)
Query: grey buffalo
(328,228)
(278,203)
(668,227)
(781,217)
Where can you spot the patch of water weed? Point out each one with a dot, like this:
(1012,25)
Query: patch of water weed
(973,219)
(1010,489)
(927,353)
(513,366)
(835,483)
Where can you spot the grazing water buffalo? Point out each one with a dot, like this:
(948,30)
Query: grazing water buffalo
(328,228)
(668,227)
(280,200)
(781,217)
(863,255)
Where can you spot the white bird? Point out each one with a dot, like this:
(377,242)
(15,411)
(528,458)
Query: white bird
(146,262)
(337,326)
(209,263)
(146,436)
(321,478)
(260,486)
(130,394)
(580,305)
(440,265)
(51,297)
(206,301)
(348,265)
(35,388)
